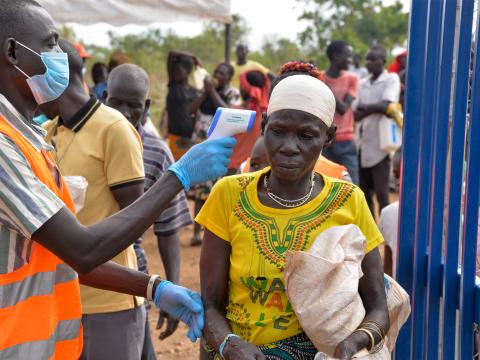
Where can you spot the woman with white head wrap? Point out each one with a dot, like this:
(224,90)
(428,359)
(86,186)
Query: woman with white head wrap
(252,220)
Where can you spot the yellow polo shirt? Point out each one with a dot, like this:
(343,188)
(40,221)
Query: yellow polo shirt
(250,65)
(104,148)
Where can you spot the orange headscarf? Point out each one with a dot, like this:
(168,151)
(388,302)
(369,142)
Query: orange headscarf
(258,96)
(395,66)
(258,101)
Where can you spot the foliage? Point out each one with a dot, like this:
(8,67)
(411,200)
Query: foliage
(362,23)
(277,51)
(149,50)
(67,33)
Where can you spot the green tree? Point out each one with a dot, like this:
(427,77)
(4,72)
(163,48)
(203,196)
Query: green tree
(362,23)
(277,51)
(67,33)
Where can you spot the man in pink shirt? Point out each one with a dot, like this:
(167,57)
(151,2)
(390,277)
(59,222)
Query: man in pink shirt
(344,86)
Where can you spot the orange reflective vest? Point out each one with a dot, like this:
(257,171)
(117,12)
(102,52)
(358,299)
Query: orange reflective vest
(323,166)
(40,309)
(330,168)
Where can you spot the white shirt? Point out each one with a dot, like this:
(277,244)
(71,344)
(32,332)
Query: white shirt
(389,229)
(360,71)
(385,87)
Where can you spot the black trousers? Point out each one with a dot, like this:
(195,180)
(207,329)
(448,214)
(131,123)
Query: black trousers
(374,180)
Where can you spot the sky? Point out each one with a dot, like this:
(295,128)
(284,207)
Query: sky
(266,18)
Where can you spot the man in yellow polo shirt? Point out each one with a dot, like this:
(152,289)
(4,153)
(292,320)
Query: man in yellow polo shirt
(40,305)
(98,143)
(242,64)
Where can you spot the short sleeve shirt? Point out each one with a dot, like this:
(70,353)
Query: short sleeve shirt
(258,309)
(157,158)
(385,87)
(25,202)
(250,65)
(106,150)
(347,83)
(180,122)
(389,229)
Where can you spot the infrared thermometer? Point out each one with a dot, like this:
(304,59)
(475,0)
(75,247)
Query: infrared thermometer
(229,122)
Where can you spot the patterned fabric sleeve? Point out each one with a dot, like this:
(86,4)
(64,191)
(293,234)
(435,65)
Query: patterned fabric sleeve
(25,202)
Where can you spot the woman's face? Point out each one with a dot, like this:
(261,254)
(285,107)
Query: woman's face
(180,73)
(293,142)
(221,75)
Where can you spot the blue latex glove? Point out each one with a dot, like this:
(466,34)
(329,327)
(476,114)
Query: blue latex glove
(203,162)
(182,304)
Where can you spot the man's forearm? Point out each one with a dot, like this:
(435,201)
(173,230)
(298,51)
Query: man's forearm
(378,107)
(135,219)
(113,277)
(169,248)
(342,106)
(217,100)
(86,247)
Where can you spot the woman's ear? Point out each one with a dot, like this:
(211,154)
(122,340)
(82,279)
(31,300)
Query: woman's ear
(264,121)
(331,132)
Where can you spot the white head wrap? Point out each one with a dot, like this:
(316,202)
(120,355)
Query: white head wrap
(306,93)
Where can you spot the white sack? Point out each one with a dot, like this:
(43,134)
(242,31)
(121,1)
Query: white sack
(322,286)
(77,185)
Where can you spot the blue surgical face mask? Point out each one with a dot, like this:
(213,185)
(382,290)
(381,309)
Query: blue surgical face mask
(50,85)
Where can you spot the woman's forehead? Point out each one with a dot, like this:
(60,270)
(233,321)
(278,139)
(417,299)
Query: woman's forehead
(295,117)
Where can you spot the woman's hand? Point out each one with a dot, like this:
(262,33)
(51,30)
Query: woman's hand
(238,349)
(351,345)
(209,85)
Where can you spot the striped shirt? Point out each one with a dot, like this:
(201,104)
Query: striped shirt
(25,202)
(157,158)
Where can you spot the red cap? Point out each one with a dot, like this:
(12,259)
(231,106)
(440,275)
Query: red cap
(82,51)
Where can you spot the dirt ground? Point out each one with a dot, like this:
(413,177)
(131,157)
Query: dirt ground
(177,346)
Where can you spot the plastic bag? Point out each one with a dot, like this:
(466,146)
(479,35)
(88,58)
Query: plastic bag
(395,112)
(77,185)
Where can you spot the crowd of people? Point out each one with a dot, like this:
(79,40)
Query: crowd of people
(77,273)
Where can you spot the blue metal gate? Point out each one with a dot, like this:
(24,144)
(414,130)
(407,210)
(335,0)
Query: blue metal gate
(440,182)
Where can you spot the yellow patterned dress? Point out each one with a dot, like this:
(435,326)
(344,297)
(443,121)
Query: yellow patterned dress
(258,309)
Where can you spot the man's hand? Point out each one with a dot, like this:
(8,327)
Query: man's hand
(360,112)
(205,161)
(238,349)
(172,325)
(182,304)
